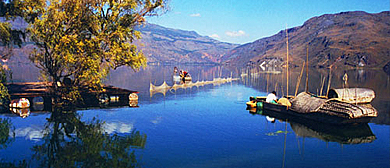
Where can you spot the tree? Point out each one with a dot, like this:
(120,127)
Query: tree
(9,38)
(84,40)
(9,10)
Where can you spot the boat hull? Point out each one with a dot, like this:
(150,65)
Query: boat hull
(279,110)
(282,111)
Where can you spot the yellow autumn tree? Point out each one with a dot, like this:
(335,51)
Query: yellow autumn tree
(9,37)
(84,40)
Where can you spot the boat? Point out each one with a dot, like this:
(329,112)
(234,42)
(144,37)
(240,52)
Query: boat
(187,78)
(177,78)
(309,106)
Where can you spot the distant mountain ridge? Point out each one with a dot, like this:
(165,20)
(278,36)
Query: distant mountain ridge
(343,39)
(166,45)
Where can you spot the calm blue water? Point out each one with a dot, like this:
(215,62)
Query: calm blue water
(210,127)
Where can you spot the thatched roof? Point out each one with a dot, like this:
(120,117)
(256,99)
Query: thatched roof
(307,103)
(352,95)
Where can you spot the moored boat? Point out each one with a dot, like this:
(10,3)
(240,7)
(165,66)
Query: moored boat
(187,78)
(309,106)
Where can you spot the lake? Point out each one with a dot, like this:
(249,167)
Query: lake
(204,126)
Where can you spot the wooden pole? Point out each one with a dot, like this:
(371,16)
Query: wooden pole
(307,70)
(356,86)
(330,80)
(299,79)
(322,85)
(287,61)
(276,87)
(267,82)
(285,142)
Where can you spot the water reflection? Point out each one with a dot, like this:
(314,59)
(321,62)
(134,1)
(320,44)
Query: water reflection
(356,134)
(67,140)
(5,129)
(345,134)
(33,133)
(22,112)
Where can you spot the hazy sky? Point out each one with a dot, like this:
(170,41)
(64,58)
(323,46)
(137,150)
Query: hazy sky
(243,21)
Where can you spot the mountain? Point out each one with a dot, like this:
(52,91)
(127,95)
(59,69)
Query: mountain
(160,44)
(166,45)
(348,39)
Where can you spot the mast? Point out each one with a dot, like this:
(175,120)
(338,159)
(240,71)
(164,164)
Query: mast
(287,60)
(330,80)
(307,69)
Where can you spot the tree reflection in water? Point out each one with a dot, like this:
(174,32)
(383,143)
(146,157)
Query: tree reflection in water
(5,126)
(70,142)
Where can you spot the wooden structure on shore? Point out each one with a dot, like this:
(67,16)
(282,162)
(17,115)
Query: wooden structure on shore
(41,99)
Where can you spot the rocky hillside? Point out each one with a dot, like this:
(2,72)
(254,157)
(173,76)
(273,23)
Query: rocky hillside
(343,39)
(167,45)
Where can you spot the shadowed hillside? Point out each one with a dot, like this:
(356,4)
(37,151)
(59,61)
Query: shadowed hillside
(343,39)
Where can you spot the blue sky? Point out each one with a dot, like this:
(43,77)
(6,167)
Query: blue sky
(243,21)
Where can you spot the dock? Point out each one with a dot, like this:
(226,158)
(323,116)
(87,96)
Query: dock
(41,99)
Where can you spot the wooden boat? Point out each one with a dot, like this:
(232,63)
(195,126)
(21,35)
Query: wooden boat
(308,106)
(187,78)
(177,78)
